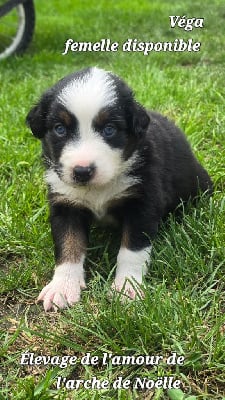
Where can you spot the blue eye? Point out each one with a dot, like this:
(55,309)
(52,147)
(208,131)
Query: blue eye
(108,131)
(60,129)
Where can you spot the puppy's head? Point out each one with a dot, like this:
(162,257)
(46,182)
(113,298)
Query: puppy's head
(89,124)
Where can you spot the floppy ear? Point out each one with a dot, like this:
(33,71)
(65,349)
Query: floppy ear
(36,118)
(137,117)
(140,119)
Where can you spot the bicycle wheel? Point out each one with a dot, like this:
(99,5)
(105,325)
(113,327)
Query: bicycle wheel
(16,29)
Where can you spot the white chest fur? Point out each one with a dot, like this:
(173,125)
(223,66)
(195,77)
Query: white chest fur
(95,198)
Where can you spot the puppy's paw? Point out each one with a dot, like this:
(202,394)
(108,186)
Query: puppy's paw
(64,289)
(128,288)
(60,293)
(131,267)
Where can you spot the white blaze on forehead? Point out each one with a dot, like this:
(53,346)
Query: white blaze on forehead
(86,96)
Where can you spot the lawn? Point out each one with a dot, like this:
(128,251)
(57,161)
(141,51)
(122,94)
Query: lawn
(182,317)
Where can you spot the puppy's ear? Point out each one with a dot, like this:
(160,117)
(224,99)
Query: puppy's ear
(36,118)
(140,119)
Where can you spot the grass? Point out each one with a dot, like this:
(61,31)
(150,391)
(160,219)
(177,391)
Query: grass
(183,309)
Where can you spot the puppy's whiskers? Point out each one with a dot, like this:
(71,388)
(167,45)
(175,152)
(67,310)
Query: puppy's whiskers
(51,164)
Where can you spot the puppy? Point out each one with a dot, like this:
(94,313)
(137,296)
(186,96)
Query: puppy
(106,156)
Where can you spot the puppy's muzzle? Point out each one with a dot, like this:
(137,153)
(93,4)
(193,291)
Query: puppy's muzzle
(82,174)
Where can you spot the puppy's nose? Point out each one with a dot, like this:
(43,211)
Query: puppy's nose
(83,174)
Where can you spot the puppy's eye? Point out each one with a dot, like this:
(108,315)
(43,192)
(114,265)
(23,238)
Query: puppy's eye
(60,129)
(109,131)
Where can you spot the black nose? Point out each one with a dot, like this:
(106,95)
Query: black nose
(83,174)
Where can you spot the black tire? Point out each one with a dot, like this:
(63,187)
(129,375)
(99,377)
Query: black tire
(25,13)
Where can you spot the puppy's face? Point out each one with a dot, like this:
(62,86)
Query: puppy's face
(89,125)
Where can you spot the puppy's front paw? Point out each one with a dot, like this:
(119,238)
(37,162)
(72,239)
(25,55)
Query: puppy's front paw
(60,293)
(128,288)
(64,289)
(131,267)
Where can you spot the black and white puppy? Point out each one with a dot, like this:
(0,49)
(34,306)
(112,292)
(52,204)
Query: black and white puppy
(106,156)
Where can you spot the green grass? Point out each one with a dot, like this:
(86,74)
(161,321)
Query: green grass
(183,309)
